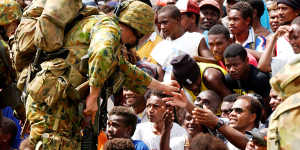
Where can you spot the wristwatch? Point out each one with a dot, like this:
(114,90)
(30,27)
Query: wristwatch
(219,124)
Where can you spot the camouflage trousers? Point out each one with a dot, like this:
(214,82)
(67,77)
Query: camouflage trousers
(53,107)
(53,141)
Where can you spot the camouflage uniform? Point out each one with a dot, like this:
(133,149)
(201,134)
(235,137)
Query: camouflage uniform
(42,25)
(10,11)
(52,104)
(284,131)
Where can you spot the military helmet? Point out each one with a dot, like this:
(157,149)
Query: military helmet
(10,11)
(137,15)
(286,81)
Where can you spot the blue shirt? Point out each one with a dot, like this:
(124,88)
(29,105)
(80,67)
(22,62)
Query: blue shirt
(140,145)
(264,19)
(9,113)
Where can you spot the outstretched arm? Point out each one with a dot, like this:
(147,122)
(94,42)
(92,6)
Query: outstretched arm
(179,100)
(209,119)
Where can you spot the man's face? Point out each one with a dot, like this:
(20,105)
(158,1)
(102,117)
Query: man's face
(294,37)
(133,99)
(241,118)
(128,36)
(155,109)
(226,109)
(191,126)
(209,16)
(275,100)
(236,67)
(286,14)
(186,22)
(217,44)
(116,127)
(274,20)
(207,100)
(237,24)
(167,24)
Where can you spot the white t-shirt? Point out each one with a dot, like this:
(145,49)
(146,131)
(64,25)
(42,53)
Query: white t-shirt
(285,53)
(231,146)
(284,48)
(166,50)
(144,132)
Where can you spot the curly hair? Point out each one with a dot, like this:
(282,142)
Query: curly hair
(127,113)
(119,144)
(207,142)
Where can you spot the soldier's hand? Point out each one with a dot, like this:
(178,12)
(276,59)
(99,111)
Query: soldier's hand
(91,103)
(91,107)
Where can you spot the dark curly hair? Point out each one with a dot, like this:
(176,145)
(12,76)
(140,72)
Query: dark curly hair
(127,113)
(207,142)
(119,144)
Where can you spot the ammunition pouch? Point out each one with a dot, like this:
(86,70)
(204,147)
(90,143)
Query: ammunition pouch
(84,65)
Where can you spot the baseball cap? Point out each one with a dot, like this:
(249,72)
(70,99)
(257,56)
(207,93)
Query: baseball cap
(210,2)
(185,69)
(188,6)
(286,81)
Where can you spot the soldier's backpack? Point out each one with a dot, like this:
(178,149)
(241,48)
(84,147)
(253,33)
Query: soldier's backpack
(28,32)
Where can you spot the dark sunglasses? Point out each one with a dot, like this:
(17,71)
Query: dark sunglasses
(227,111)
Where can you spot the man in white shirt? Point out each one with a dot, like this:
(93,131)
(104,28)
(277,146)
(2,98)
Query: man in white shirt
(151,132)
(177,41)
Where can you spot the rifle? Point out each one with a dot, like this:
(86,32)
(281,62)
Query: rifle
(90,133)
(33,69)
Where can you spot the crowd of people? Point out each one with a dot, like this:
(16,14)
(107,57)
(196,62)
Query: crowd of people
(149,74)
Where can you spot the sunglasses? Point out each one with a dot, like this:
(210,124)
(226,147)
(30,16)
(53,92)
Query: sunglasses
(227,111)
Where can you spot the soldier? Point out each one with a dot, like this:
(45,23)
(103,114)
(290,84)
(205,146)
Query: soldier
(52,103)
(11,14)
(283,132)
(10,17)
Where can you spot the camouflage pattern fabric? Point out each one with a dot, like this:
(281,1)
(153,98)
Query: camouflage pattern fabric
(137,15)
(10,11)
(50,107)
(286,81)
(105,58)
(284,123)
(284,131)
(53,106)
(43,25)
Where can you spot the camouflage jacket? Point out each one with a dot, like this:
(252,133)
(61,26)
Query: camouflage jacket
(52,102)
(284,131)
